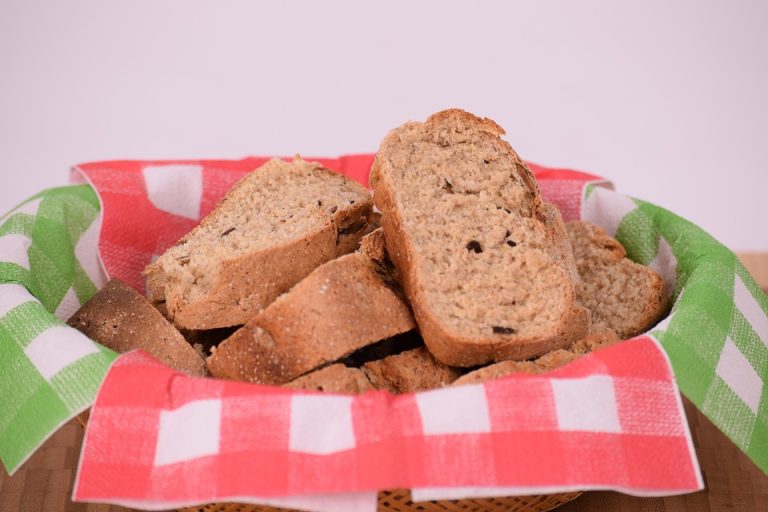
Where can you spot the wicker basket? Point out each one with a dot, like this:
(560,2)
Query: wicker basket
(399,500)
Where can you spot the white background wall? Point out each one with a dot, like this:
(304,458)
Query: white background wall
(668,99)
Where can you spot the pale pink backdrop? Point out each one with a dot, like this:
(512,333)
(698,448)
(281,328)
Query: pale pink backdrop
(668,99)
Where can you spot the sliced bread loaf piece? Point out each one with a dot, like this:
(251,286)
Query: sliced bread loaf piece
(498,370)
(335,378)
(412,370)
(120,318)
(561,249)
(466,229)
(545,363)
(579,319)
(271,230)
(623,295)
(245,356)
(341,306)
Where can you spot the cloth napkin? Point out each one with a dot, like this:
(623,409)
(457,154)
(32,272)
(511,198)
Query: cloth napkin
(613,419)
(49,265)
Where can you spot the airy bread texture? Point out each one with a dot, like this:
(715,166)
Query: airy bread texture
(622,295)
(545,363)
(271,230)
(120,318)
(481,264)
(342,306)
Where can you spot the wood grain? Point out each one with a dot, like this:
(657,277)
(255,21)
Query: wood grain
(733,482)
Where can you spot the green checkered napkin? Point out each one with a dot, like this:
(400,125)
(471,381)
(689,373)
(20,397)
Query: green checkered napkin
(48,266)
(717,333)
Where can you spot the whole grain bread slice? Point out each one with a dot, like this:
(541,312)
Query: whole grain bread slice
(336,378)
(465,226)
(122,319)
(273,228)
(561,249)
(545,363)
(622,295)
(342,306)
(412,370)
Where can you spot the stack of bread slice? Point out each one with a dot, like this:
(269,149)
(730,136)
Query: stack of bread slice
(271,230)
(471,275)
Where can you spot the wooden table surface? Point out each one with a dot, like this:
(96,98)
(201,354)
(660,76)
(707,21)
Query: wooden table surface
(733,482)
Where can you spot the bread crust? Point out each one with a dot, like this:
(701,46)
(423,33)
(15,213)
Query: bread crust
(543,364)
(450,347)
(121,319)
(562,250)
(242,355)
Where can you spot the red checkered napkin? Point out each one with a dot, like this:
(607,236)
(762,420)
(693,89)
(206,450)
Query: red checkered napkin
(610,420)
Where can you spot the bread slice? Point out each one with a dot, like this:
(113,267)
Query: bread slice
(589,343)
(335,378)
(545,363)
(623,295)
(466,229)
(120,318)
(340,307)
(578,323)
(561,249)
(271,230)
(498,370)
(412,370)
